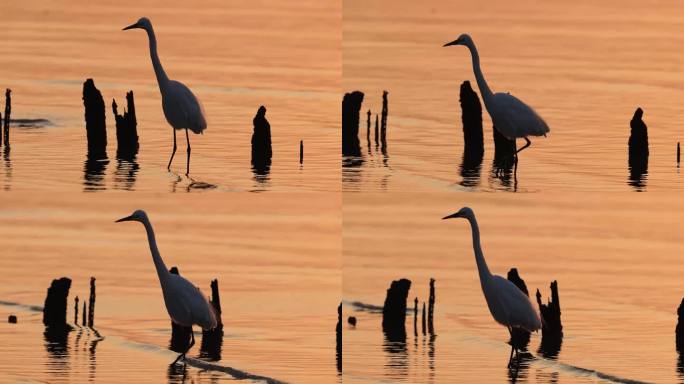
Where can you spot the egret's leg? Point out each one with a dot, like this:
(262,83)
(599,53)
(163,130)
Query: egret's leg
(168,167)
(187,169)
(527,144)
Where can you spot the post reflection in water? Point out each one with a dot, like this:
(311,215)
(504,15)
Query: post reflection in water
(395,348)
(60,353)
(94,170)
(126,172)
(8,168)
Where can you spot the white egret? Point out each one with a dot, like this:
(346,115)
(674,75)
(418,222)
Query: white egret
(511,117)
(508,305)
(184,302)
(181,108)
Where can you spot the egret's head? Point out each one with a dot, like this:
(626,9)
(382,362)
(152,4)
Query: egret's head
(464,39)
(464,212)
(138,215)
(143,23)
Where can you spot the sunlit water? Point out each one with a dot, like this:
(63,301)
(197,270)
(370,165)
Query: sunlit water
(584,66)
(276,257)
(616,257)
(234,56)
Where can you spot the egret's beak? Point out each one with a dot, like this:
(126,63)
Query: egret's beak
(451,216)
(455,42)
(127,218)
(131,26)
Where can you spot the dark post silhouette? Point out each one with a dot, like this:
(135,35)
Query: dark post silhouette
(76,311)
(55,308)
(678,153)
(12,319)
(338,339)
(423,320)
(520,338)
(126,129)
(0,132)
(679,331)
(431,307)
(415,316)
(180,336)
(8,111)
(351,106)
(84,320)
(550,312)
(638,149)
(212,340)
(394,310)
(96,128)
(473,137)
(383,121)
(91,303)
(301,151)
(376,130)
(368,125)
(261,142)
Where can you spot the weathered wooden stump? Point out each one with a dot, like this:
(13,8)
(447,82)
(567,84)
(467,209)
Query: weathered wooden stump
(96,127)
(552,328)
(55,308)
(679,331)
(394,310)
(473,137)
(638,149)
(261,143)
(126,129)
(212,339)
(351,106)
(338,339)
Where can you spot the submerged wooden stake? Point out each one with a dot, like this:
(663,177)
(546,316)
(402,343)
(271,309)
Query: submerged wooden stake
(301,151)
(84,321)
(678,153)
(431,307)
(415,316)
(423,318)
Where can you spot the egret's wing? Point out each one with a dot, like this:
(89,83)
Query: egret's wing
(513,118)
(191,299)
(515,307)
(181,108)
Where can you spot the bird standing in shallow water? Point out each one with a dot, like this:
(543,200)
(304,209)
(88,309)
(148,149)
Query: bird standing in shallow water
(508,305)
(184,302)
(181,108)
(511,117)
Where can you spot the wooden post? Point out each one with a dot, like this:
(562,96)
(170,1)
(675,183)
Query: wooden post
(351,105)
(84,320)
(431,307)
(383,121)
(262,151)
(126,129)
(91,303)
(678,153)
(368,124)
(8,111)
(76,311)
(301,151)
(394,310)
(55,308)
(376,130)
(96,127)
(423,318)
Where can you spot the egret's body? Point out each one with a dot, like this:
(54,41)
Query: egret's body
(185,303)
(181,107)
(511,117)
(508,305)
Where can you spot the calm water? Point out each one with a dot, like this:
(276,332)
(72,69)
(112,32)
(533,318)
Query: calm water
(615,257)
(277,259)
(235,56)
(585,67)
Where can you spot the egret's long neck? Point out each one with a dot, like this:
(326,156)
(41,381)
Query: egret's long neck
(482,268)
(162,272)
(162,79)
(479,77)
